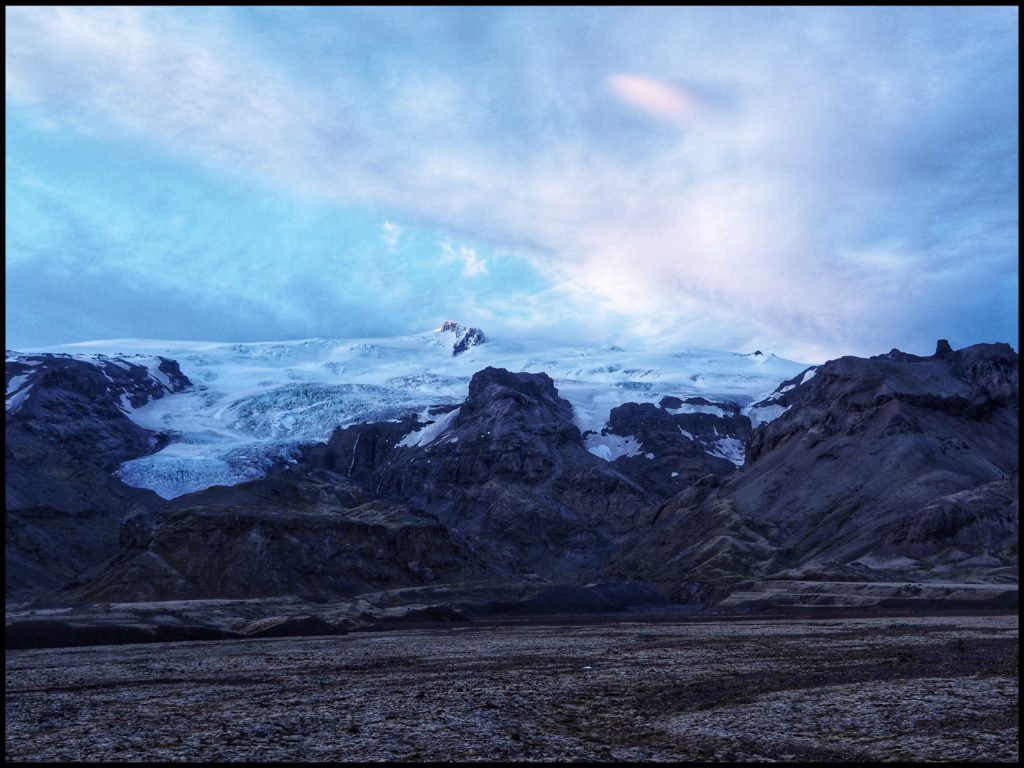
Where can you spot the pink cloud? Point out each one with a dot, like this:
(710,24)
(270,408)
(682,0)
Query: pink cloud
(662,100)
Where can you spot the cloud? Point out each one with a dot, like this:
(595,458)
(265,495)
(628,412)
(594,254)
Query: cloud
(137,73)
(860,156)
(658,98)
(390,232)
(472,263)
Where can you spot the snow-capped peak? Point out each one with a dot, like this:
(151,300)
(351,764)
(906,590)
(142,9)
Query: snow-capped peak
(450,326)
(465,337)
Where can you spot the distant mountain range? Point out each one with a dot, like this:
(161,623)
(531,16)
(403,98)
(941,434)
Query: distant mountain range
(141,470)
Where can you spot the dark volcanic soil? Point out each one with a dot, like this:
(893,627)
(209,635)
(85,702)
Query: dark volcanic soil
(923,688)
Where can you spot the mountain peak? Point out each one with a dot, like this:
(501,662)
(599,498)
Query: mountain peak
(450,325)
(942,349)
(465,337)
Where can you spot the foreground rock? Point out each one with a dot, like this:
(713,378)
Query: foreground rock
(510,602)
(811,597)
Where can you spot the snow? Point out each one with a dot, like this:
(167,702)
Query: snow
(688,408)
(729,448)
(170,477)
(16,382)
(254,400)
(612,447)
(764,413)
(431,432)
(17,391)
(154,370)
(807,376)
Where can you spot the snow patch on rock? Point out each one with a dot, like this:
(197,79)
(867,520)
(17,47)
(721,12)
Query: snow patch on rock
(729,448)
(612,447)
(431,432)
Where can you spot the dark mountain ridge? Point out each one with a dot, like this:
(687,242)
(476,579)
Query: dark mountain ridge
(886,468)
(66,430)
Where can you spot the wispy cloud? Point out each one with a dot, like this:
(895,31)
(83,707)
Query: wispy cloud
(390,233)
(472,263)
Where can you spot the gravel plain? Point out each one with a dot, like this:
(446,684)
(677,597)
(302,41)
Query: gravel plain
(934,688)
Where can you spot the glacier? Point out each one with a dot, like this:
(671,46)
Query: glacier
(252,404)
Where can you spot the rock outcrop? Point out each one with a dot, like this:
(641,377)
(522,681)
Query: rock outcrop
(677,446)
(63,514)
(80,405)
(507,471)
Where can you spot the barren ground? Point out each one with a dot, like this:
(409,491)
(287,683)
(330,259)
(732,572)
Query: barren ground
(909,688)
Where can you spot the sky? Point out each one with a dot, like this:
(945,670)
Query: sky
(813,182)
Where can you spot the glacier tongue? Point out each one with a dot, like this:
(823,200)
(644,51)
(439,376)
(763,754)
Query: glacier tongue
(252,403)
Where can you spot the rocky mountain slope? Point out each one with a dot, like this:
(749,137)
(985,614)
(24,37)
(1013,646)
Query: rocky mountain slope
(66,430)
(315,535)
(507,469)
(82,405)
(892,467)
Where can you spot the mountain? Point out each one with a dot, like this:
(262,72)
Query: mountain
(506,469)
(465,338)
(314,534)
(335,469)
(67,427)
(84,405)
(892,467)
